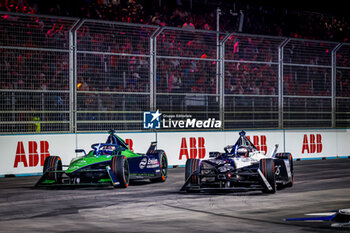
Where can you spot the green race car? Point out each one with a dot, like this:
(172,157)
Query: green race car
(110,163)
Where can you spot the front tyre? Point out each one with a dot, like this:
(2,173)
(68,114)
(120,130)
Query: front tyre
(267,168)
(120,168)
(53,167)
(192,172)
(163,165)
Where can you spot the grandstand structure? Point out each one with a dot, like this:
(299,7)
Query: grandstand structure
(66,75)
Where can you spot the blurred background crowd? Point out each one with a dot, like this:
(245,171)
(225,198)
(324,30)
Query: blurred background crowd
(113,61)
(297,19)
(132,73)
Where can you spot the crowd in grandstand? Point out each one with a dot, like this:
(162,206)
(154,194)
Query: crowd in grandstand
(259,18)
(130,73)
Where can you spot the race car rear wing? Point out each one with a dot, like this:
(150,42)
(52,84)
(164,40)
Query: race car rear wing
(152,148)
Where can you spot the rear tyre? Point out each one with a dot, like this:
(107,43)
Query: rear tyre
(163,165)
(193,165)
(120,168)
(267,167)
(290,159)
(53,165)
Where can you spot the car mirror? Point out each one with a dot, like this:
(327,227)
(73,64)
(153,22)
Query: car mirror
(80,151)
(228,148)
(214,154)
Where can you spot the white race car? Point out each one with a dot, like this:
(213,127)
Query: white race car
(242,167)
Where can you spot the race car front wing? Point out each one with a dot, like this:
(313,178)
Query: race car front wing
(261,183)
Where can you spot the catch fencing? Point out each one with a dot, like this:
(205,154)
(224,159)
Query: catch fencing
(73,75)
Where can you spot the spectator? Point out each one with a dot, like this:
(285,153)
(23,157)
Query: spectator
(175,82)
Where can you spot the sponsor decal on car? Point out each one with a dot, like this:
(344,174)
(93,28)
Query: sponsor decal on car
(142,175)
(152,163)
(143,163)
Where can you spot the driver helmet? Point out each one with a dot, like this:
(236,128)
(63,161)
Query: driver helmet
(242,151)
(110,148)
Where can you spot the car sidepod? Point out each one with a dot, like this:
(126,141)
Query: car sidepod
(145,167)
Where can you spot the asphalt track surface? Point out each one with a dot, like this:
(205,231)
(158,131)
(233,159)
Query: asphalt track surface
(320,186)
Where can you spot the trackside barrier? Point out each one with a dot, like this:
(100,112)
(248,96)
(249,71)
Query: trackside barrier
(25,154)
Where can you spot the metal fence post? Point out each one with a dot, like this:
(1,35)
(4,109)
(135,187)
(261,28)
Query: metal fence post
(334,83)
(222,77)
(218,48)
(153,68)
(280,82)
(72,71)
(75,74)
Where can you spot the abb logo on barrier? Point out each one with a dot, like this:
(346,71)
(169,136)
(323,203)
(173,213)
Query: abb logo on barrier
(259,142)
(33,155)
(312,144)
(194,149)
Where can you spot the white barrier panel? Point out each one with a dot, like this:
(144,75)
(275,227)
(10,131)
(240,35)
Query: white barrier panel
(306,144)
(24,154)
(182,145)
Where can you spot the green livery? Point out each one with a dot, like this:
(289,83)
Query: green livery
(109,163)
